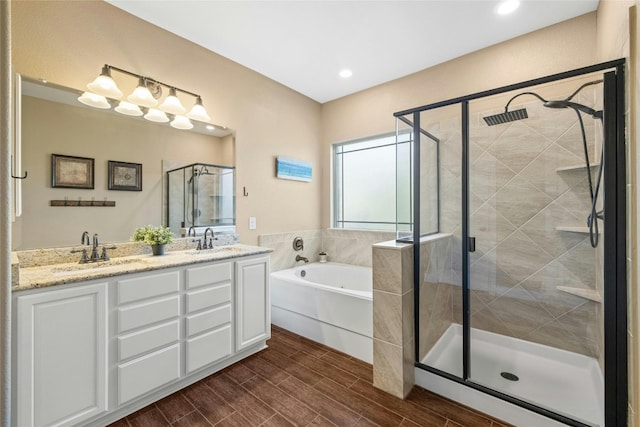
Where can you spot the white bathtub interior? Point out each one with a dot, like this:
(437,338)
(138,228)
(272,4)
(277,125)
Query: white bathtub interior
(559,380)
(331,304)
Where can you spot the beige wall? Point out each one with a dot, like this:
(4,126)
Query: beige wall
(554,49)
(616,22)
(68,42)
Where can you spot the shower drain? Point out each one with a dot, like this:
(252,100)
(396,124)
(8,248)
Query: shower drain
(509,376)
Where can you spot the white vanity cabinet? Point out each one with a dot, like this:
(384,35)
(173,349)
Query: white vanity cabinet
(89,353)
(208,315)
(148,333)
(61,356)
(253,302)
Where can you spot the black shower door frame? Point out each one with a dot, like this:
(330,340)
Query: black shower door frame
(615,241)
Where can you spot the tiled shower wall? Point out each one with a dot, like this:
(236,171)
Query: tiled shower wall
(517,199)
(344,246)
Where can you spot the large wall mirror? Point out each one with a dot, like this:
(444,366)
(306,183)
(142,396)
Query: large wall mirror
(53,121)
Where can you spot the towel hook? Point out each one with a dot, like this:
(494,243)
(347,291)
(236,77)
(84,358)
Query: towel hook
(18,177)
(15,176)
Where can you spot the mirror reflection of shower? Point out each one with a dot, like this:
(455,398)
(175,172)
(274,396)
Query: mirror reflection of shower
(201,195)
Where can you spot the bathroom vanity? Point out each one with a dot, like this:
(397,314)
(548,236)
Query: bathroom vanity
(93,343)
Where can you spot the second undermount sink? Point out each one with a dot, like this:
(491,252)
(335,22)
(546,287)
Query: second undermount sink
(216,249)
(91,267)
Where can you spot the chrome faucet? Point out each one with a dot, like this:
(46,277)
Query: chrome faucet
(192,228)
(302,258)
(85,240)
(213,236)
(94,249)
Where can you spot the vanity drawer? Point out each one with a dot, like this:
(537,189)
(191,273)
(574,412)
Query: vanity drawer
(146,373)
(208,275)
(155,285)
(149,339)
(210,297)
(147,313)
(208,348)
(208,320)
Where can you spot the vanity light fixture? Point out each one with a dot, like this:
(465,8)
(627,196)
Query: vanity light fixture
(105,85)
(141,95)
(198,112)
(181,122)
(172,104)
(155,115)
(93,100)
(146,95)
(128,109)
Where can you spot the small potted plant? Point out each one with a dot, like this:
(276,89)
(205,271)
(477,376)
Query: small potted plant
(157,237)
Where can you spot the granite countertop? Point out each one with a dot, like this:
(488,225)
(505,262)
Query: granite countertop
(58,274)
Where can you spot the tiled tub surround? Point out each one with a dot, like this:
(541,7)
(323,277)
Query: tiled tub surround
(343,246)
(517,199)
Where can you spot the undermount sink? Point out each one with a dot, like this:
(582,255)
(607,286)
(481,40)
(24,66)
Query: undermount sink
(216,249)
(91,267)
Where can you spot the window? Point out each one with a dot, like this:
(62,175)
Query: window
(365,178)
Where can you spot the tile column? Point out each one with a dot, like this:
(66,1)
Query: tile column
(393,336)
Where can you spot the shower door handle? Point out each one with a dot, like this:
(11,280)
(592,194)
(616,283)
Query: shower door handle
(472,244)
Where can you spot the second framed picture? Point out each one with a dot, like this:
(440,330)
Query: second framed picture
(125,176)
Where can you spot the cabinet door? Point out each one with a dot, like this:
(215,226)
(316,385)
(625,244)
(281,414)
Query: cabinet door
(253,303)
(61,356)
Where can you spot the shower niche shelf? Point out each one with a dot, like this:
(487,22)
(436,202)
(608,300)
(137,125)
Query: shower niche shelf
(573,229)
(589,294)
(576,167)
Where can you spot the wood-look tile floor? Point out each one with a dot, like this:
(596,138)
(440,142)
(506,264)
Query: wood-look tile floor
(298,382)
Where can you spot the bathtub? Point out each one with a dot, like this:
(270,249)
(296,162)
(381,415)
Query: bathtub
(330,303)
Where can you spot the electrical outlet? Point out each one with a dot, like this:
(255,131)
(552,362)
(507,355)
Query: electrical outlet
(252,223)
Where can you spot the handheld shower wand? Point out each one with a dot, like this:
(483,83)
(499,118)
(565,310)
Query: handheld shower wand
(509,116)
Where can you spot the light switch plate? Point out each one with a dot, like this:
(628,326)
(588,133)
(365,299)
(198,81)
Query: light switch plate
(252,223)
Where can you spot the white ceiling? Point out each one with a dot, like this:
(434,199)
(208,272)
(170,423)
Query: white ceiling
(304,44)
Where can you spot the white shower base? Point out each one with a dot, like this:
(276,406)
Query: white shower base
(561,381)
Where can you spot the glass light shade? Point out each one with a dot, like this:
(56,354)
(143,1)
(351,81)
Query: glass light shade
(128,109)
(93,100)
(181,122)
(198,112)
(172,104)
(142,95)
(104,85)
(156,115)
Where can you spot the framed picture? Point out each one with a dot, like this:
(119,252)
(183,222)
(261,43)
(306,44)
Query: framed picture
(72,172)
(125,176)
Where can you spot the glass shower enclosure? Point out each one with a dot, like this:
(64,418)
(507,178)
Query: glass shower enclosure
(517,214)
(201,195)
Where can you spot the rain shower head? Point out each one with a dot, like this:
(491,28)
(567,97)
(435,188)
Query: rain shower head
(506,117)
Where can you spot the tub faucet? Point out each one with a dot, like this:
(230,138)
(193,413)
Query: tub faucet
(192,228)
(302,258)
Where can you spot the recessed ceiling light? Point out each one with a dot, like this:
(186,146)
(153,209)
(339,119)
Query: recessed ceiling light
(508,6)
(346,73)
